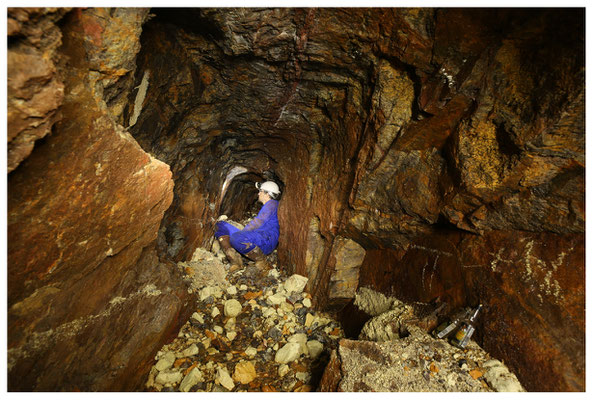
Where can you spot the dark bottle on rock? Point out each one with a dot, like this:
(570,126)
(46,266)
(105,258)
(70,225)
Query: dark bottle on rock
(447,327)
(466,330)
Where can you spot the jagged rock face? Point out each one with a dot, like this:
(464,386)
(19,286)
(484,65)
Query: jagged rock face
(34,91)
(532,286)
(398,129)
(89,303)
(447,144)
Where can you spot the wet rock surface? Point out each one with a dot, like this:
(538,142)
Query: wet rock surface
(530,275)
(35,90)
(86,289)
(393,128)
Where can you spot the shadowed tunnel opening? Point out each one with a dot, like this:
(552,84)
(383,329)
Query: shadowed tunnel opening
(240,198)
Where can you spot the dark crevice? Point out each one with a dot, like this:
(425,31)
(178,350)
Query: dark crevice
(506,144)
(240,196)
(190,20)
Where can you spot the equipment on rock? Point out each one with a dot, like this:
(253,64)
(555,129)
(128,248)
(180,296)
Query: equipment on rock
(270,188)
(466,330)
(231,254)
(446,328)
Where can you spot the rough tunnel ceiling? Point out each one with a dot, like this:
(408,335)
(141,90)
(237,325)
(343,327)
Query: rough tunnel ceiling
(386,126)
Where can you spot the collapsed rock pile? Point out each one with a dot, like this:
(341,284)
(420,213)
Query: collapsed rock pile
(249,333)
(395,354)
(259,333)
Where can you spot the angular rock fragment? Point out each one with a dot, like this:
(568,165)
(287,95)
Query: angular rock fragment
(315,348)
(283,370)
(207,291)
(500,378)
(166,361)
(344,280)
(168,377)
(288,353)
(389,325)
(192,378)
(225,380)
(277,299)
(251,351)
(372,302)
(244,372)
(296,283)
(191,351)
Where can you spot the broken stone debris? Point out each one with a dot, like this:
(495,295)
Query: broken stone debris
(238,331)
(371,302)
(394,353)
(500,378)
(267,338)
(289,352)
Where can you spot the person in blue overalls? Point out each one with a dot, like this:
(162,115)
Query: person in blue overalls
(259,237)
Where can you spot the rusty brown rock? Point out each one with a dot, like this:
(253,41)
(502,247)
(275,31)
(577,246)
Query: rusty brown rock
(303,388)
(111,38)
(387,135)
(348,256)
(252,295)
(399,129)
(331,375)
(89,350)
(476,373)
(221,344)
(244,372)
(34,90)
(83,214)
(267,388)
(539,276)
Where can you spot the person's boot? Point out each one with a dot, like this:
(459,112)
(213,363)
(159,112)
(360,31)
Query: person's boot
(260,259)
(231,254)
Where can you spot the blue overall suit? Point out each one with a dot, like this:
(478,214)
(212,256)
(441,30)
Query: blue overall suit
(263,231)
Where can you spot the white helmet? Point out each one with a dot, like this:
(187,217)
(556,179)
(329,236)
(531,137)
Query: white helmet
(269,187)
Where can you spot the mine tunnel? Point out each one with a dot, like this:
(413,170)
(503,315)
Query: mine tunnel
(431,156)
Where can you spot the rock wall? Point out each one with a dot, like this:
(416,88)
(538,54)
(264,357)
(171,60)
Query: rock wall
(532,286)
(447,145)
(89,302)
(407,131)
(34,91)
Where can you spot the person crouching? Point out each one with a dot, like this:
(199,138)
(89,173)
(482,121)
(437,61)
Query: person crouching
(259,237)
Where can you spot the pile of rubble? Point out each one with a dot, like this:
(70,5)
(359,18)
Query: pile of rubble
(395,353)
(259,333)
(250,333)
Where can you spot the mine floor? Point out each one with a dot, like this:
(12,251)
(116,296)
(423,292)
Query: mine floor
(258,332)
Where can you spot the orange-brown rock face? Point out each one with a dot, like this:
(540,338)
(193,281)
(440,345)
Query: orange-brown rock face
(421,152)
(531,285)
(388,127)
(88,300)
(34,90)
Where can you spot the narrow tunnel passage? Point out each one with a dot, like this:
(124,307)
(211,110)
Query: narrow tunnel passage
(423,156)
